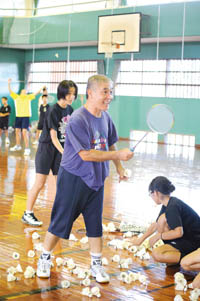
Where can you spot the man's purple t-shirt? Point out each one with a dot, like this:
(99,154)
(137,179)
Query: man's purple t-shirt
(84,132)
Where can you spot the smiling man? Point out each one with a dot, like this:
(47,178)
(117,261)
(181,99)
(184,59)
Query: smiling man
(89,145)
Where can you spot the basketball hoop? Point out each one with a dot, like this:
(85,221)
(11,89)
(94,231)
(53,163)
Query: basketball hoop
(117,36)
(117,46)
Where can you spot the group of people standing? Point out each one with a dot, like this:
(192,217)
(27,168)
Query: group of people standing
(77,149)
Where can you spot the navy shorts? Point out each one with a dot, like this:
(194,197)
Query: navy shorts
(22,122)
(47,158)
(3,123)
(184,246)
(74,197)
(40,124)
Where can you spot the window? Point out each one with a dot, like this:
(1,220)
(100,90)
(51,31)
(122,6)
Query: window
(137,135)
(184,140)
(159,78)
(152,2)
(148,145)
(46,7)
(13,8)
(50,74)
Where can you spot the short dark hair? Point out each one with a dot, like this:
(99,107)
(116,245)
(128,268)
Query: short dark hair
(161,184)
(44,95)
(63,89)
(4,97)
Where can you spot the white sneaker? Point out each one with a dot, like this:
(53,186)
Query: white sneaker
(15,148)
(7,141)
(27,152)
(30,219)
(44,266)
(99,273)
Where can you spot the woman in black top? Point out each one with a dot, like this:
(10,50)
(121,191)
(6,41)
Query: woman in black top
(178,225)
(51,145)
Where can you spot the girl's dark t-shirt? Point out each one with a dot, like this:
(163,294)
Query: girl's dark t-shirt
(56,118)
(179,214)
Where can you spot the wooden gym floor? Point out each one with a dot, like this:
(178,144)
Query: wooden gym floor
(125,201)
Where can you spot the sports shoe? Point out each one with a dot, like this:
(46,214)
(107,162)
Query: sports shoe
(7,140)
(27,152)
(30,219)
(98,272)
(44,266)
(15,148)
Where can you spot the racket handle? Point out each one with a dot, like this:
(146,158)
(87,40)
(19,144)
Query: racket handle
(133,148)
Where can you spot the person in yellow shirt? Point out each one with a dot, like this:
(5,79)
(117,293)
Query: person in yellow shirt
(22,103)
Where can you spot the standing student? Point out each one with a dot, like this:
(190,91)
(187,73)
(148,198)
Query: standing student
(178,225)
(89,145)
(51,145)
(43,111)
(40,100)
(23,113)
(5,111)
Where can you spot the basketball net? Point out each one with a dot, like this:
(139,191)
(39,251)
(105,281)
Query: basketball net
(108,55)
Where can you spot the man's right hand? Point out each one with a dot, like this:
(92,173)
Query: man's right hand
(124,154)
(9,80)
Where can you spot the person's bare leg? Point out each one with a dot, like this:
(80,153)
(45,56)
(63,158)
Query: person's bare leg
(191,262)
(0,132)
(95,244)
(50,242)
(18,136)
(40,180)
(166,254)
(55,178)
(26,137)
(196,282)
(6,133)
(37,136)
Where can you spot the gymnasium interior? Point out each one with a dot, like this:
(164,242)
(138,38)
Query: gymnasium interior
(44,42)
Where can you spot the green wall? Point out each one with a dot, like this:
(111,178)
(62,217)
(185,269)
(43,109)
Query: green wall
(130,113)
(84,26)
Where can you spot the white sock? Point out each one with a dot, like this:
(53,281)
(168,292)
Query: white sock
(96,258)
(46,254)
(29,211)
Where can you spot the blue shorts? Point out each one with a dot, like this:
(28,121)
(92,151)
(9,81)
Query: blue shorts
(47,158)
(3,123)
(22,122)
(74,197)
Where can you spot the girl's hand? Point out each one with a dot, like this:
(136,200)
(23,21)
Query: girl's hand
(136,241)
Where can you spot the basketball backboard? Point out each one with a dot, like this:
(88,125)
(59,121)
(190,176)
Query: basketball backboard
(119,33)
